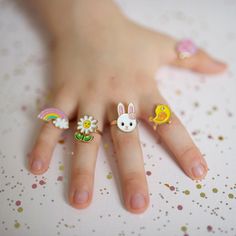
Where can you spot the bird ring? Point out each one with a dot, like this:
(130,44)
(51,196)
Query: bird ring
(162,116)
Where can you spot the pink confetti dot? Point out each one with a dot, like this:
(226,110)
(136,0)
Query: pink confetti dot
(180,207)
(18,203)
(34,186)
(42,182)
(209,228)
(172,188)
(23,108)
(59,178)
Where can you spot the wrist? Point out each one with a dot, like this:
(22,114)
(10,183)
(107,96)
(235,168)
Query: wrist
(67,17)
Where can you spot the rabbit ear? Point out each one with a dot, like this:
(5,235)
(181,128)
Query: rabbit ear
(131,109)
(120,109)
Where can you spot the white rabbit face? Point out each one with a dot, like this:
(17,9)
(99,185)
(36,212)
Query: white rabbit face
(126,124)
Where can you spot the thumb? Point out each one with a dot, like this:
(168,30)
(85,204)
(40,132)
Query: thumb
(200,62)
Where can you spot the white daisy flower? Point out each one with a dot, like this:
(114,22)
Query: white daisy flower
(87,124)
(61,123)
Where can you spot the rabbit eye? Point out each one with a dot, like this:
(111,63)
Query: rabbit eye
(130,123)
(122,123)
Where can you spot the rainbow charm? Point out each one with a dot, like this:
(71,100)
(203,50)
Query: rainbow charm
(58,117)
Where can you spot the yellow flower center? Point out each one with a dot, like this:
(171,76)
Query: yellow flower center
(87,124)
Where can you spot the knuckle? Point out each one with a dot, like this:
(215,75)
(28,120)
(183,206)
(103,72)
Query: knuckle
(82,173)
(125,139)
(191,153)
(175,124)
(134,178)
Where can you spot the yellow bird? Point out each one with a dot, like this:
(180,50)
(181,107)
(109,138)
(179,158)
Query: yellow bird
(162,115)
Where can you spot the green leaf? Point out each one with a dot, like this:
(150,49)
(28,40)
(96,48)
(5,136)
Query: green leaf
(87,138)
(79,136)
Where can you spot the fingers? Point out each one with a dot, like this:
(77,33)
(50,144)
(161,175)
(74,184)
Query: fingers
(84,160)
(179,142)
(47,139)
(131,167)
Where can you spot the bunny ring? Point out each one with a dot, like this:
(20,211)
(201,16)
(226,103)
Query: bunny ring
(186,48)
(126,122)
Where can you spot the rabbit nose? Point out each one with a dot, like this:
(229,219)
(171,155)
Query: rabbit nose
(126,127)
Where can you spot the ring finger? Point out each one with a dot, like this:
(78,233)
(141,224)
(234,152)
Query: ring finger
(177,139)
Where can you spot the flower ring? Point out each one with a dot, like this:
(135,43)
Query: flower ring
(85,126)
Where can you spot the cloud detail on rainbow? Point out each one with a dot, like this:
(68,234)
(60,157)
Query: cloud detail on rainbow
(58,117)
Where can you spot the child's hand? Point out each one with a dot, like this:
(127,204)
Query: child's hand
(102,62)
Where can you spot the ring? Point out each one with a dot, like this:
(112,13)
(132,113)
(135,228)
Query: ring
(185,48)
(85,127)
(58,117)
(162,116)
(126,122)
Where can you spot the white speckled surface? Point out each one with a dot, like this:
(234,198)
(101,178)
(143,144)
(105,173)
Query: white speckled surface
(31,205)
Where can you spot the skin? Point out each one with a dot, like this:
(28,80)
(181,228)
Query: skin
(94,67)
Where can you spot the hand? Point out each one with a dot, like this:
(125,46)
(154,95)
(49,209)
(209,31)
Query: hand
(93,69)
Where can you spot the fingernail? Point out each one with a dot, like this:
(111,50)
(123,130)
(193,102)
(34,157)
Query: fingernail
(198,170)
(37,165)
(137,201)
(81,197)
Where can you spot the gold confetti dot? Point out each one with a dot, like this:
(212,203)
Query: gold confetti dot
(17,225)
(186,192)
(109,176)
(214,190)
(202,194)
(199,186)
(20,209)
(61,167)
(184,228)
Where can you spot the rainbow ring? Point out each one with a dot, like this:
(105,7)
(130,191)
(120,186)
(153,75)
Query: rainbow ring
(59,118)
(186,48)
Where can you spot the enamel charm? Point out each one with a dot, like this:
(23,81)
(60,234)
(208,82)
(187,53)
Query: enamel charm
(162,116)
(58,117)
(85,127)
(126,122)
(186,48)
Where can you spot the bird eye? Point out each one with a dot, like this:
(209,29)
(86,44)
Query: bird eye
(162,108)
(122,123)
(130,123)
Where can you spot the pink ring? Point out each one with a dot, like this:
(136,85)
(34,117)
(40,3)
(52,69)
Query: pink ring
(185,48)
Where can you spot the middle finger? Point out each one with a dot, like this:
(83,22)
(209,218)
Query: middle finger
(130,160)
